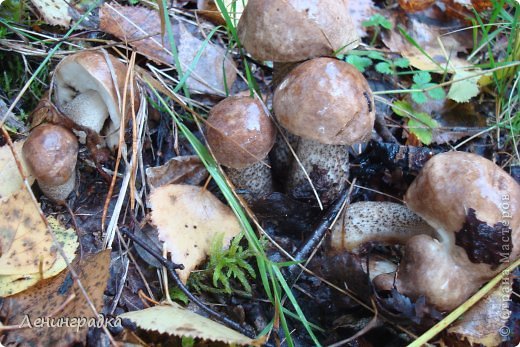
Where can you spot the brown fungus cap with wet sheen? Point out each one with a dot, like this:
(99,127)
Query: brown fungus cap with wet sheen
(328,104)
(240,132)
(296,30)
(51,153)
(326,100)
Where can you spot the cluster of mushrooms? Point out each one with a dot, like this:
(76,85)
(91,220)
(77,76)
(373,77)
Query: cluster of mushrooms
(90,91)
(461,222)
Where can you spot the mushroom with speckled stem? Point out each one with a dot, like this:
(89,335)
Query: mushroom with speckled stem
(472,208)
(329,105)
(240,134)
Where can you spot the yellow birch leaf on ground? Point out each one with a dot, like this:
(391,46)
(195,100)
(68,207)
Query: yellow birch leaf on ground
(178,321)
(12,284)
(187,218)
(28,244)
(55,12)
(10,179)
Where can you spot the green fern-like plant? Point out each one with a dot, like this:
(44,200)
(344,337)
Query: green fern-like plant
(225,265)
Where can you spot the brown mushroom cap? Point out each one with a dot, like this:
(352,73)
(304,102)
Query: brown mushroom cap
(240,132)
(51,153)
(468,196)
(326,100)
(296,30)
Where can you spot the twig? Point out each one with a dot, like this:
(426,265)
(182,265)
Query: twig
(317,235)
(172,267)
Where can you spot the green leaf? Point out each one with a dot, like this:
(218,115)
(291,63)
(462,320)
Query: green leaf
(421,126)
(384,67)
(402,108)
(402,62)
(419,97)
(464,90)
(435,93)
(378,20)
(421,78)
(419,123)
(178,295)
(376,55)
(361,63)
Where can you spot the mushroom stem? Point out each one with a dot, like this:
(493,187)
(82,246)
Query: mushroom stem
(327,167)
(329,105)
(369,221)
(59,192)
(254,181)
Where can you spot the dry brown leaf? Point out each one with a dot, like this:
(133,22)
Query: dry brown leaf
(176,320)
(27,245)
(12,284)
(210,10)
(10,179)
(49,299)
(188,218)
(186,169)
(429,35)
(141,27)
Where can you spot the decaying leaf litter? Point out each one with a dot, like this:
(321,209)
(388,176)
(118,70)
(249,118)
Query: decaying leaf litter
(441,82)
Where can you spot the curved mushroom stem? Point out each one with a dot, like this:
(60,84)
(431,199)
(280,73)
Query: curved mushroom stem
(369,221)
(327,167)
(252,182)
(429,269)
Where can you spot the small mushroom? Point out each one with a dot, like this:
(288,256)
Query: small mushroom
(328,104)
(241,134)
(473,207)
(90,89)
(51,153)
(296,30)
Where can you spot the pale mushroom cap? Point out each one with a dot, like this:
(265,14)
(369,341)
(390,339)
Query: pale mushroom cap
(326,100)
(240,132)
(93,70)
(296,30)
(51,153)
(456,190)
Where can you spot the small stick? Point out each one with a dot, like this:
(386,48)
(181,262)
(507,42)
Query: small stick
(317,235)
(171,269)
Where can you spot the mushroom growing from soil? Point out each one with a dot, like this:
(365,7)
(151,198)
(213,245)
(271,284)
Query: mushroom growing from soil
(328,104)
(241,134)
(51,152)
(90,89)
(473,206)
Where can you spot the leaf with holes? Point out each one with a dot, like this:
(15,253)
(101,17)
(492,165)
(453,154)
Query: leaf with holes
(12,284)
(187,218)
(58,299)
(26,244)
